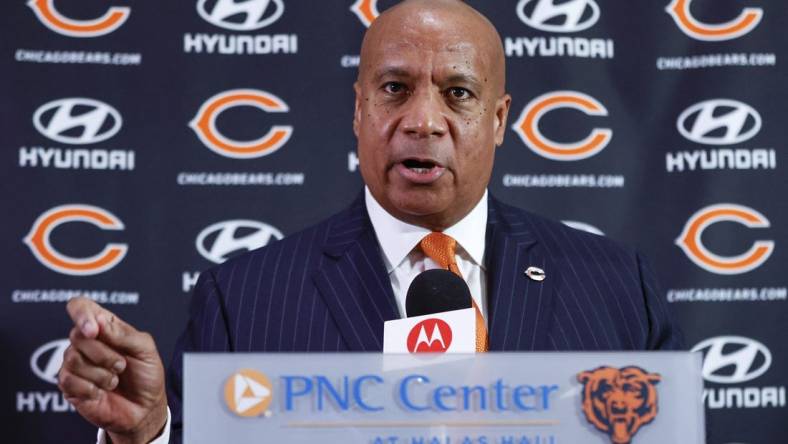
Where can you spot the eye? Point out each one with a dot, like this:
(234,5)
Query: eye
(459,93)
(393,87)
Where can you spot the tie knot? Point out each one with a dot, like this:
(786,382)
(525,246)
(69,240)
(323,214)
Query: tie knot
(440,248)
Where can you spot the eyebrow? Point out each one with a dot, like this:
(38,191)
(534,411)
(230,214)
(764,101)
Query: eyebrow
(391,71)
(398,72)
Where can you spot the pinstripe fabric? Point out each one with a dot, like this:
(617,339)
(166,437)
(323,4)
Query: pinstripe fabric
(326,289)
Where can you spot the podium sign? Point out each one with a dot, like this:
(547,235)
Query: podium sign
(491,398)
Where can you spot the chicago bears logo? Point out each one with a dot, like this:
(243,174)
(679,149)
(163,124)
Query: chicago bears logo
(204,124)
(48,15)
(690,239)
(98,121)
(619,402)
(554,16)
(366,11)
(679,10)
(430,335)
(38,240)
(527,126)
(255,13)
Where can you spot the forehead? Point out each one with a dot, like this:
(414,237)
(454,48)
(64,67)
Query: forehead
(427,39)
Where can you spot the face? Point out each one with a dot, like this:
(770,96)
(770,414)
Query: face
(430,110)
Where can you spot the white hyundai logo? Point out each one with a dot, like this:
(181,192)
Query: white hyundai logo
(719,122)
(570,16)
(219,241)
(252,11)
(77,120)
(732,359)
(47,359)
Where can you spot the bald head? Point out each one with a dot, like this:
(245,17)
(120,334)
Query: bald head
(451,23)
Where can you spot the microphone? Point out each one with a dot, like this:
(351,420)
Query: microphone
(436,291)
(441,317)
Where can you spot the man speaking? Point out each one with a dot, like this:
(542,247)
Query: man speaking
(430,109)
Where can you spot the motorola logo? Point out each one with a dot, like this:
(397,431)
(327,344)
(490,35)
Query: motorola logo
(733,359)
(719,122)
(222,240)
(47,360)
(227,14)
(555,16)
(77,120)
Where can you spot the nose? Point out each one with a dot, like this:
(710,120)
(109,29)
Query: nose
(424,115)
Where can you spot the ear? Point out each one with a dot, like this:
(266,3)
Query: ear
(357,111)
(583,377)
(654,378)
(501,114)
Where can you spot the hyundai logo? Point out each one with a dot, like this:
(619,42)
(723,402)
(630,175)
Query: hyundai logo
(222,240)
(719,122)
(77,120)
(47,360)
(733,359)
(256,13)
(573,15)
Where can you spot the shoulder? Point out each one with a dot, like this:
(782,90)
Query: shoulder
(561,240)
(302,249)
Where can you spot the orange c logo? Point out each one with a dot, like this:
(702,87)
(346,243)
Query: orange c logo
(690,239)
(366,11)
(741,25)
(527,126)
(52,19)
(38,240)
(204,124)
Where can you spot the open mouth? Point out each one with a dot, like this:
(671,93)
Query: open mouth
(420,171)
(419,166)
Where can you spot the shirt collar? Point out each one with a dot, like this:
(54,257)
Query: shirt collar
(398,238)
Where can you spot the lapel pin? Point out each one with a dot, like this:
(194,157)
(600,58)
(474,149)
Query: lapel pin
(535,274)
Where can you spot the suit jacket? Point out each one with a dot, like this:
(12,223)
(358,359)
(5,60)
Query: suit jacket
(326,289)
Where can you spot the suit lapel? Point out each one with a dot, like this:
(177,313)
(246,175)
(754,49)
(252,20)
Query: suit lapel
(353,281)
(519,308)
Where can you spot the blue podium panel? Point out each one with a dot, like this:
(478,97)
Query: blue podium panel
(494,398)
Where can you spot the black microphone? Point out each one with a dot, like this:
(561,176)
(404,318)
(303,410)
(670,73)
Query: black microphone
(436,291)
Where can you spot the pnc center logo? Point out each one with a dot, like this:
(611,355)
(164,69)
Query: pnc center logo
(690,240)
(240,16)
(77,120)
(733,359)
(222,240)
(38,240)
(47,14)
(204,124)
(366,11)
(430,335)
(747,20)
(556,16)
(47,360)
(527,126)
(719,122)
(618,402)
(248,393)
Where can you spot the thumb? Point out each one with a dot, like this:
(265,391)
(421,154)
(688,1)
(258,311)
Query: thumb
(123,337)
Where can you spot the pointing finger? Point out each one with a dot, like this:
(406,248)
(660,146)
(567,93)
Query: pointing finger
(83,312)
(123,337)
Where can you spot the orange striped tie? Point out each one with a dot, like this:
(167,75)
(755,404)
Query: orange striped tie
(441,248)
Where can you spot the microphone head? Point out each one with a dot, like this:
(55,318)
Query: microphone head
(436,291)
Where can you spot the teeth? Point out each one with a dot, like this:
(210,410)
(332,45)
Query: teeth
(420,170)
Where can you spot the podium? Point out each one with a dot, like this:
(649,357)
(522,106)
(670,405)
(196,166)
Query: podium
(490,398)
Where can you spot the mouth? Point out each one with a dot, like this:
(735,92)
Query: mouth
(420,171)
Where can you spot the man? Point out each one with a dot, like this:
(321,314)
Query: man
(430,109)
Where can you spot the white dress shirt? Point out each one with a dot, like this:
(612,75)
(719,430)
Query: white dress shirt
(404,260)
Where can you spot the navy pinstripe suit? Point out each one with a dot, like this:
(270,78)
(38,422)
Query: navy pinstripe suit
(326,289)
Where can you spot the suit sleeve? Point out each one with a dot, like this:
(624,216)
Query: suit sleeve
(664,332)
(206,331)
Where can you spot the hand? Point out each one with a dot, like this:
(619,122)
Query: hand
(113,375)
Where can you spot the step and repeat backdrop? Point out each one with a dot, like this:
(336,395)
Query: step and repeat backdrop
(144,141)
